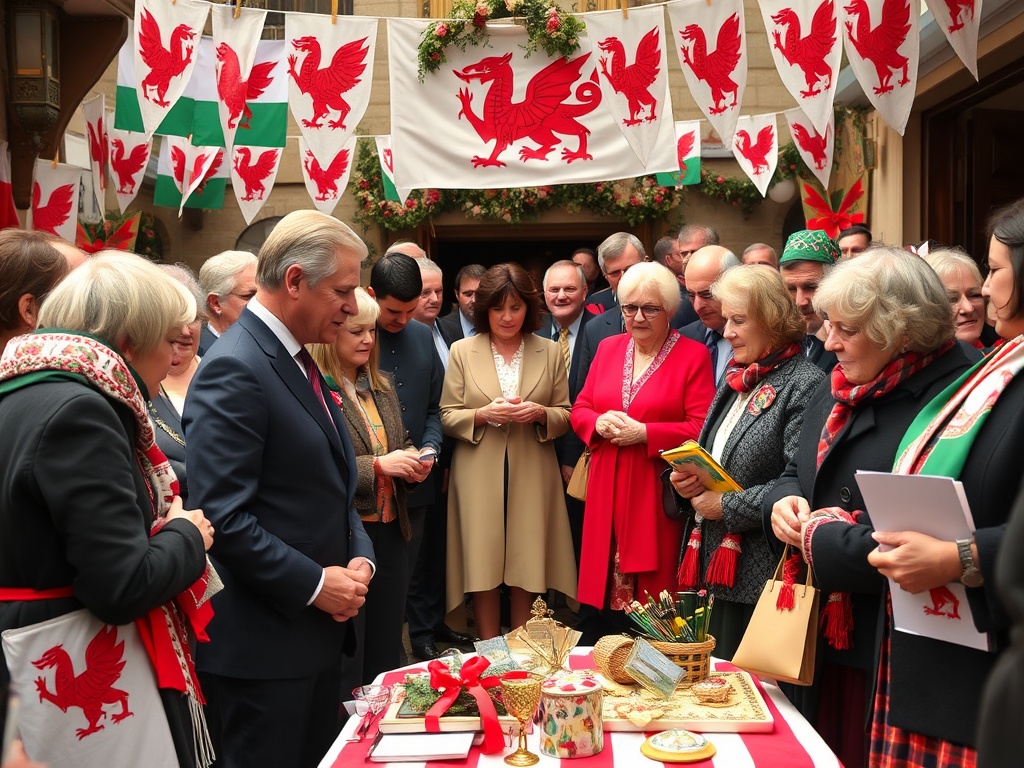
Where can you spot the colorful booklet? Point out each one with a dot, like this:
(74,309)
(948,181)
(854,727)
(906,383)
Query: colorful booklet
(690,457)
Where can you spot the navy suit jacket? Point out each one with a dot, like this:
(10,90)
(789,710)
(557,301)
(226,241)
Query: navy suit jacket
(451,327)
(206,339)
(276,478)
(569,446)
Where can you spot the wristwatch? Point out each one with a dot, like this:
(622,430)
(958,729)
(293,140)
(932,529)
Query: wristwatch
(971,576)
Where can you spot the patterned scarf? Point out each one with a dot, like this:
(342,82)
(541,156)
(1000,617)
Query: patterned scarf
(56,354)
(743,379)
(848,395)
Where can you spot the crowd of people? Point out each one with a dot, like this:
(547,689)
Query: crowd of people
(356,462)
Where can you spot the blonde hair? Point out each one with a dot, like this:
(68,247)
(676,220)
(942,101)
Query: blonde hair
(651,274)
(328,359)
(767,301)
(310,239)
(121,298)
(892,295)
(945,261)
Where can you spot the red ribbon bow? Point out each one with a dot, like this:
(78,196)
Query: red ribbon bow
(470,679)
(832,221)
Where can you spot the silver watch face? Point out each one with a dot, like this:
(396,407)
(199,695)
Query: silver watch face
(972,578)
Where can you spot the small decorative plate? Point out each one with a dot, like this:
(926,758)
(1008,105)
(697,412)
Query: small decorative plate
(678,746)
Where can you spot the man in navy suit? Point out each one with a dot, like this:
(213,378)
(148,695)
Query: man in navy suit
(703,269)
(275,473)
(456,324)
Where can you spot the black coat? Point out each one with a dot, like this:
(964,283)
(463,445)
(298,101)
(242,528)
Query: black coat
(569,447)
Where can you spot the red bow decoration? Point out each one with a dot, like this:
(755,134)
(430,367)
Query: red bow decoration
(470,679)
(828,219)
(109,234)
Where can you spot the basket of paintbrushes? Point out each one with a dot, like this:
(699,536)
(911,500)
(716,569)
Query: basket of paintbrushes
(677,626)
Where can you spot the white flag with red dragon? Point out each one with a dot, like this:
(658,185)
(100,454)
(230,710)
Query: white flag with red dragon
(755,145)
(493,118)
(815,148)
(55,199)
(235,41)
(129,154)
(94,112)
(326,183)
(634,72)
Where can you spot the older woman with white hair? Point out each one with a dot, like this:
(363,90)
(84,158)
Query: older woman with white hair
(90,515)
(962,280)
(659,400)
(888,321)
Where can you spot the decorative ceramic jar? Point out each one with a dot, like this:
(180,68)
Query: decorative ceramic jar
(570,716)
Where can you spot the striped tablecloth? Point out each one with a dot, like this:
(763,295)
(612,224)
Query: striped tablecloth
(793,743)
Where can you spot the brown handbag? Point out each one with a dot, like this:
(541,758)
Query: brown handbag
(781,643)
(577,487)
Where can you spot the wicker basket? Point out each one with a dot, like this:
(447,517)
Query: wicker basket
(610,655)
(694,658)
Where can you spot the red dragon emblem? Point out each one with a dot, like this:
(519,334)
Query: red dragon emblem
(634,80)
(94,687)
(956,8)
(125,168)
(100,148)
(164,64)
(234,91)
(683,148)
(944,603)
(178,162)
(252,175)
(808,53)
(56,211)
(880,45)
(326,180)
(812,143)
(389,160)
(326,86)
(541,115)
(715,68)
(756,154)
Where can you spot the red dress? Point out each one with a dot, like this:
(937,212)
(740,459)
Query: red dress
(624,501)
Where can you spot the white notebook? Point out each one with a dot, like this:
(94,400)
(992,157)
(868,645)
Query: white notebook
(420,747)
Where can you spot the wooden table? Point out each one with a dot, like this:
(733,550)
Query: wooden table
(793,743)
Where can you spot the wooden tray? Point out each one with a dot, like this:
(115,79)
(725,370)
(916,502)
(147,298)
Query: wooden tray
(747,712)
(393,722)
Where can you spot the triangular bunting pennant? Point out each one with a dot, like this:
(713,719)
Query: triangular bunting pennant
(129,155)
(166,38)
(55,199)
(756,148)
(8,211)
(816,149)
(95,113)
(883,46)
(634,73)
(190,176)
(688,154)
(804,40)
(822,213)
(330,69)
(960,21)
(235,41)
(253,172)
(710,40)
(128,115)
(387,171)
(326,184)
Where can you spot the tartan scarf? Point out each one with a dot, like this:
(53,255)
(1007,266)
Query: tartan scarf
(59,354)
(848,395)
(743,379)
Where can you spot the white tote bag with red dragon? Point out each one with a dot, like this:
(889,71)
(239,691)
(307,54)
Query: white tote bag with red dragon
(88,695)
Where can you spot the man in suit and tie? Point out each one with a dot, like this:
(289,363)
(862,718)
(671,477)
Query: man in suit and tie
(703,269)
(228,280)
(276,475)
(456,324)
(667,251)
(586,259)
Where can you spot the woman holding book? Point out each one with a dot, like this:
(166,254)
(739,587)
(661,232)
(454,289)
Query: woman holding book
(648,390)
(752,431)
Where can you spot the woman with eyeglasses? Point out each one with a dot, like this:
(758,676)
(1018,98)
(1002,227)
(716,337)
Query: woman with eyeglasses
(647,390)
(888,322)
(752,430)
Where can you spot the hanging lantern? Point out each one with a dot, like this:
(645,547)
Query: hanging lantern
(33,42)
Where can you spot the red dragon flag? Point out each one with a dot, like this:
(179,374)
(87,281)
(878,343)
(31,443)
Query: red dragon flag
(883,46)
(493,118)
(960,21)
(189,176)
(687,155)
(330,68)
(755,146)
(166,37)
(235,42)
(387,171)
(710,40)
(96,123)
(804,40)
(8,211)
(55,199)
(129,155)
(815,148)
(253,172)
(634,73)
(327,183)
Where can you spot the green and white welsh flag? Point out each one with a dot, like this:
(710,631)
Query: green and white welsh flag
(128,115)
(190,176)
(688,155)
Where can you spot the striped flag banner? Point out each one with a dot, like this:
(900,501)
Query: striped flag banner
(197,173)
(128,115)
(235,41)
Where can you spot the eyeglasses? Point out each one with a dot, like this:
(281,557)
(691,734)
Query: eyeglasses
(650,311)
(842,331)
(243,296)
(705,295)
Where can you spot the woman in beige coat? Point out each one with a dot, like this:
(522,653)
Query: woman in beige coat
(506,397)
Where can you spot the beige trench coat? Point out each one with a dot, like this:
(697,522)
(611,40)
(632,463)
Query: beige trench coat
(534,549)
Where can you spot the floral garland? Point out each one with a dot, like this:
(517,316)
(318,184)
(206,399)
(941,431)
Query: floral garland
(547,26)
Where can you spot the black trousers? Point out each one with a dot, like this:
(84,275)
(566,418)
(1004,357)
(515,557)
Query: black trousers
(424,609)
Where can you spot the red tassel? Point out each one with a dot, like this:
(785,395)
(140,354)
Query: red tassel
(722,568)
(688,569)
(837,619)
(787,599)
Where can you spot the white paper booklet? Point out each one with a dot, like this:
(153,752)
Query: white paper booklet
(935,506)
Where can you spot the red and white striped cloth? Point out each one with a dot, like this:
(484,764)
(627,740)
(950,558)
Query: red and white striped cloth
(793,744)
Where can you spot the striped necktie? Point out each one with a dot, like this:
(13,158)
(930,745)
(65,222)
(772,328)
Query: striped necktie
(563,344)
